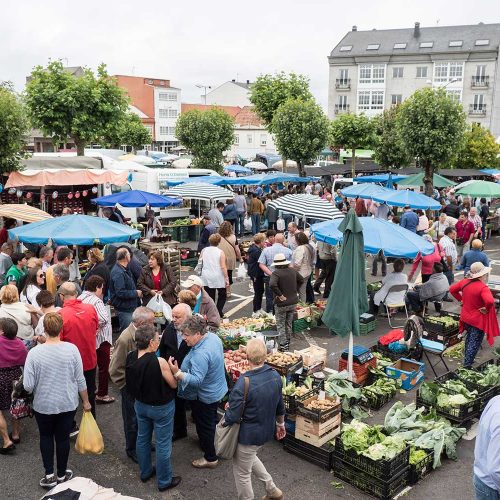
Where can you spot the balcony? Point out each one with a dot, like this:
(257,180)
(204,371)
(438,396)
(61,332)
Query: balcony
(480,81)
(343,84)
(477,109)
(341,108)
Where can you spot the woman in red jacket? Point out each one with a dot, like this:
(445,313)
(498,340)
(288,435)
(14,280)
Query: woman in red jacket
(427,261)
(477,316)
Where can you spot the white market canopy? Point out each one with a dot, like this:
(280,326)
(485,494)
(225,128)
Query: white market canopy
(307,206)
(200,191)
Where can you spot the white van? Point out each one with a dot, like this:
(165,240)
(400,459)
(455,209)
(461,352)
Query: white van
(342,183)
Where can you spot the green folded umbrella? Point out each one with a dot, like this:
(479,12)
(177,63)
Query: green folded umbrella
(481,189)
(438,181)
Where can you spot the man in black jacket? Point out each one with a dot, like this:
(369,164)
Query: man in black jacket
(172,344)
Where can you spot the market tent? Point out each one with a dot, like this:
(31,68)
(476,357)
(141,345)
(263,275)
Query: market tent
(23,212)
(403,198)
(74,230)
(200,191)
(491,171)
(366,191)
(215,180)
(307,206)
(379,234)
(256,165)
(142,159)
(265,179)
(238,169)
(480,189)
(348,298)
(182,163)
(382,178)
(438,181)
(136,198)
(279,164)
(66,177)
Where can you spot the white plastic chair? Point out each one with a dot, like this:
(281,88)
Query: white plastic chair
(400,301)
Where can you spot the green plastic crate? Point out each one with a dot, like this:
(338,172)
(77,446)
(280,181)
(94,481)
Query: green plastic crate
(365,328)
(299,325)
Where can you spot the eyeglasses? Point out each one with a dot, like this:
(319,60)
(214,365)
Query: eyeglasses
(41,276)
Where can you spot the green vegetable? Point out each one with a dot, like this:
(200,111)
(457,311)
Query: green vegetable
(416,456)
(489,377)
(359,437)
(383,386)
(338,385)
(387,449)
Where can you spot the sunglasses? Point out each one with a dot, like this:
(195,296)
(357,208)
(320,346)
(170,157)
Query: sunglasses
(40,276)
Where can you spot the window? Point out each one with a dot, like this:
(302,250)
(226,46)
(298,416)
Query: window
(397,72)
(149,82)
(456,71)
(364,99)
(171,130)
(396,99)
(342,102)
(372,73)
(162,82)
(447,72)
(426,45)
(479,102)
(456,95)
(163,130)
(373,46)
(249,138)
(365,74)
(345,48)
(172,113)
(481,71)
(343,76)
(400,45)
(455,43)
(167,96)
(441,72)
(370,99)
(421,71)
(378,100)
(482,42)
(236,139)
(263,139)
(378,73)
(163,113)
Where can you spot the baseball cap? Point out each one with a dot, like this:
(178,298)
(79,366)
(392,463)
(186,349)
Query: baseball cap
(193,280)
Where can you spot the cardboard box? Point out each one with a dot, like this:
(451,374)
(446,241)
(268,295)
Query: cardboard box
(303,312)
(312,355)
(409,371)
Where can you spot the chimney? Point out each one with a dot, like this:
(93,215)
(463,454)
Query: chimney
(248,82)
(354,28)
(416,31)
(233,81)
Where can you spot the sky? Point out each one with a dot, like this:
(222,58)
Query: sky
(194,42)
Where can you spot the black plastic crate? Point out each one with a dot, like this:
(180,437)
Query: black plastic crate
(317,415)
(317,383)
(286,370)
(486,392)
(291,402)
(377,487)
(420,469)
(448,340)
(482,366)
(415,353)
(321,456)
(376,468)
(442,330)
(377,401)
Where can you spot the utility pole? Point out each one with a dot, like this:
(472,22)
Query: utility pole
(204,87)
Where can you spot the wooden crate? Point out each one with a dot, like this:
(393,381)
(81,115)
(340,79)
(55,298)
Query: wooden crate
(312,355)
(314,440)
(317,428)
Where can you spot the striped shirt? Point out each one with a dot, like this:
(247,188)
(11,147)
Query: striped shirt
(449,248)
(104,332)
(54,373)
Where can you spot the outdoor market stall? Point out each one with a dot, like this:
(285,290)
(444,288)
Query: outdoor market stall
(23,212)
(306,206)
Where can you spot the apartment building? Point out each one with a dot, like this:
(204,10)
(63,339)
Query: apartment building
(158,104)
(373,70)
(231,93)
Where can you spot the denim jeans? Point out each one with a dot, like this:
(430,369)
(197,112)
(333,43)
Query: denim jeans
(129,421)
(161,420)
(239,229)
(124,319)
(205,419)
(473,341)
(484,492)
(255,223)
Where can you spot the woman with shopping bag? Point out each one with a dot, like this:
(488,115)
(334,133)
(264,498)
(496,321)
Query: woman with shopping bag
(157,278)
(54,374)
(229,245)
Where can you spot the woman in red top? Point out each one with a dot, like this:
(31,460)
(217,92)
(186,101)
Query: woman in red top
(465,233)
(477,316)
(427,261)
(157,278)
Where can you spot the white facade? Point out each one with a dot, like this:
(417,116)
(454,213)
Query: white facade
(228,94)
(250,140)
(167,106)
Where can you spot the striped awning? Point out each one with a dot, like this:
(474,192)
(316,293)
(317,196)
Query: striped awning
(23,212)
(308,206)
(199,191)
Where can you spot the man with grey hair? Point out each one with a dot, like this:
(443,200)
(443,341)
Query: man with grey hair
(122,289)
(111,215)
(173,345)
(124,344)
(60,273)
(5,260)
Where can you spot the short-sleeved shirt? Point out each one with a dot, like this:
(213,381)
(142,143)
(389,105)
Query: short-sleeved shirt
(449,248)
(268,254)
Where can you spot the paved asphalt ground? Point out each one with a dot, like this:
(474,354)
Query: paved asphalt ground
(20,473)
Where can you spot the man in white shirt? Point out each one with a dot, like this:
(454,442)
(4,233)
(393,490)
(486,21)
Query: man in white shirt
(241,208)
(447,242)
(292,242)
(216,214)
(5,260)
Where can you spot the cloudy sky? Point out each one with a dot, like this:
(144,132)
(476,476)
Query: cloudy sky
(199,42)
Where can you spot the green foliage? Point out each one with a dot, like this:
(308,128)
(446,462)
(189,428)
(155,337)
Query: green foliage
(300,131)
(351,131)
(207,134)
(14,125)
(431,125)
(269,92)
(84,107)
(479,149)
(129,130)
(390,151)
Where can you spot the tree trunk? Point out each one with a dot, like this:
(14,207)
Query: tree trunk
(80,147)
(301,169)
(428,178)
(353,165)
(283,164)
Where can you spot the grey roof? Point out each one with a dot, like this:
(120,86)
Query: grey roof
(440,35)
(242,84)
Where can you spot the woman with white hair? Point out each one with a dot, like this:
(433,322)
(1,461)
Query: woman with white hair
(256,400)
(477,316)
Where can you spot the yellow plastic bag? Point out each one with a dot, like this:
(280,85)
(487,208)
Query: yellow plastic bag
(89,439)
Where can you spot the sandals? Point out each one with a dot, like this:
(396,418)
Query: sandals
(7,450)
(14,440)
(104,400)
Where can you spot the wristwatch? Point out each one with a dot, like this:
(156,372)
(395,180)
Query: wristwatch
(177,374)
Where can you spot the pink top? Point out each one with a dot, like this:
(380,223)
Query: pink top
(12,352)
(427,261)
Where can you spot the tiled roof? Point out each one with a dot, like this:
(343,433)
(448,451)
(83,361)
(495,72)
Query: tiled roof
(247,116)
(244,116)
(230,110)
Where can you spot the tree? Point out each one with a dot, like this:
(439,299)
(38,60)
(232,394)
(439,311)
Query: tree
(351,131)
(207,134)
(431,125)
(301,131)
(129,130)
(479,149)
(390,151)
(63,105)
(14,125)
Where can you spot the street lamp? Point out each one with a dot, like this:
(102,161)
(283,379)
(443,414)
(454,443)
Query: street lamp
(455,80)
(205,87)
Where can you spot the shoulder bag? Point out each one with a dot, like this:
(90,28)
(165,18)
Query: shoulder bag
(226,437)
(22,401)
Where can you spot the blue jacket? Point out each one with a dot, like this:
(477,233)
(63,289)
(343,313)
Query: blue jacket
(122,290)
(254,270)
(473,256)
(264,404)
(230,212)
(409,220)
(204,371)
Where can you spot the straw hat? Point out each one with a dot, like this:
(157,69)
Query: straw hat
(477,270)
(280,260)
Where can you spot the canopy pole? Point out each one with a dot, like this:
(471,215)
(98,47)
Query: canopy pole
(349,357)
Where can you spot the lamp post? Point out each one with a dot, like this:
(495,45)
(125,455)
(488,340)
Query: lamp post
(204,87)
